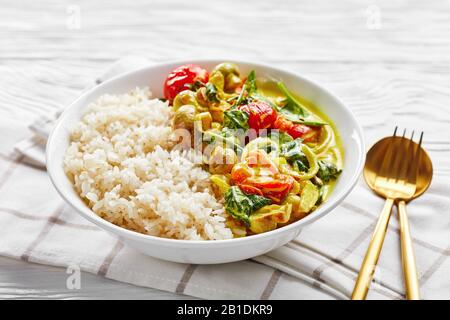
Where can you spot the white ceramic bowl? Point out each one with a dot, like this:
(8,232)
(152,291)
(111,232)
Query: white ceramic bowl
(206,252)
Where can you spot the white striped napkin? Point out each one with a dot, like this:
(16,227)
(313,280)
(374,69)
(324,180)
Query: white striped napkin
(33,148)
(322,262)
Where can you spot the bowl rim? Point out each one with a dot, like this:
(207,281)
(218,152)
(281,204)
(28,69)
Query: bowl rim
(126,233)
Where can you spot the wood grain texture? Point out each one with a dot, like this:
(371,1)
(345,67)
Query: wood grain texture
(393,73)
(22,280)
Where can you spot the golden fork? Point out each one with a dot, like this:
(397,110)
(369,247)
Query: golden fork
(391,171)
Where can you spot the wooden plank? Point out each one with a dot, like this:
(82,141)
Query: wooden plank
(21,280)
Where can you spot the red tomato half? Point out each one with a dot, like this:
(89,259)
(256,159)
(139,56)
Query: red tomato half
(261,115)
(240,172)
(297,130)
(259,175)
(307,133)
(248,189)
(282,124)
(274,187)
(181,77)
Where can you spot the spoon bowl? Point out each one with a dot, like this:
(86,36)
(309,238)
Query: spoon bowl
(375,157)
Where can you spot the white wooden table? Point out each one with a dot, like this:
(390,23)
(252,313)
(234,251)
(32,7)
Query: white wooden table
(22,280)
(396,53)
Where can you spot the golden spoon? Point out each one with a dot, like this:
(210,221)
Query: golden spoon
(399,170)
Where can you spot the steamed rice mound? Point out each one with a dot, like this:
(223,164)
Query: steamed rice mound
(122,165)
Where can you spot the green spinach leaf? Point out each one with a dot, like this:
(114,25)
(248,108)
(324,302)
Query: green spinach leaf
(240,205)
(258,201)
(294,111)
(195,86)
(292,152)
(248,88)
(227,137)
(327,171)
(256,96)
(211,92)
(279,137)
(251,83)
(235,119)
(301,165)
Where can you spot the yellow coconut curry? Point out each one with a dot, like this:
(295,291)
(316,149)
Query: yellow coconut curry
(273,157)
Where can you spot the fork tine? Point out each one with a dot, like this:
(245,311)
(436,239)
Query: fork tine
(399,156)
(387,158)
(416,156)
(401,174)
(420,140)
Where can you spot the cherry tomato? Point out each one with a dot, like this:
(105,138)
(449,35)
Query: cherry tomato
(307,133)
(313,135)
(181,77)
(274,187)
(248,189)
(261,115)
(240,172)
(297,130)
(282,124)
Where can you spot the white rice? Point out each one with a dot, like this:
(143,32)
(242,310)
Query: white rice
(121,164)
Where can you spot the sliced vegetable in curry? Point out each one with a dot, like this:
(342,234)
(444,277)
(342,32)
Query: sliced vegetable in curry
(273,157)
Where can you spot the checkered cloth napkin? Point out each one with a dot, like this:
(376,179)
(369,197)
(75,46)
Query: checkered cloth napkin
(323,262)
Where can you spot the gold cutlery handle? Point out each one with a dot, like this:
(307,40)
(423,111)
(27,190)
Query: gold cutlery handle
(408,258)
(373,252)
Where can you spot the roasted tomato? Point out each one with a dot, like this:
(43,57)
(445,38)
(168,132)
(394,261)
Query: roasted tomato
(310,133)
(282,124)
(240,172)
(297,130)
(275,187)
(181,77)
(248,189)
(307,133)
(259,175)
(261,115)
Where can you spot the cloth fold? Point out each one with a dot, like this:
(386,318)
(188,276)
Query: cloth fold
(33,148)
(38,227)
